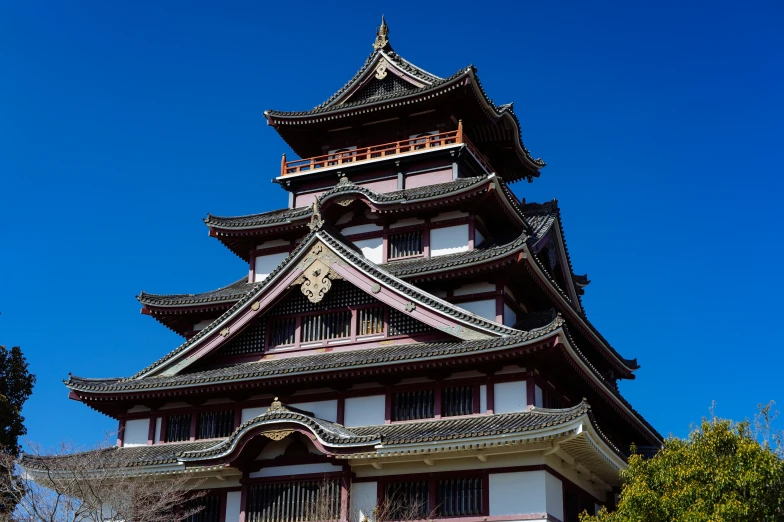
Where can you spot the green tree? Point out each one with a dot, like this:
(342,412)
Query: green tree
(724,471)
(16,385)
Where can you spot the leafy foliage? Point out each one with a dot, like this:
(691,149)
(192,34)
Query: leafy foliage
(724,471)
(16,385)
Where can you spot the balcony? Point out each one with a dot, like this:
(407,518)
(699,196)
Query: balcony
(386,150)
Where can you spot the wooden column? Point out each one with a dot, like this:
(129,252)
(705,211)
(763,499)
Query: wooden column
(121,433)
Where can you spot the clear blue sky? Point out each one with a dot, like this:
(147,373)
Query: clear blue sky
(123,123)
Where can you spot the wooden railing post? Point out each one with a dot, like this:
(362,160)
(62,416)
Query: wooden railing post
(283,165)
(460,131)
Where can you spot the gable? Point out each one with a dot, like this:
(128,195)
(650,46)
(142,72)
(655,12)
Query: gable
(346,314)
(377,88)
(312,268)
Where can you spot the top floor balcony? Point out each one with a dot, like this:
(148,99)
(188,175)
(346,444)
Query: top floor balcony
(410,146)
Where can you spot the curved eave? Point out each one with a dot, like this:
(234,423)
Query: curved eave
(307,366)
(463,78)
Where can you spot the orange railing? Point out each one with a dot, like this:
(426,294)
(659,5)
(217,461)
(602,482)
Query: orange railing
(423,142)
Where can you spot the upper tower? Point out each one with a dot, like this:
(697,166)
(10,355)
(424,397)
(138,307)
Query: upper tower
(394,117)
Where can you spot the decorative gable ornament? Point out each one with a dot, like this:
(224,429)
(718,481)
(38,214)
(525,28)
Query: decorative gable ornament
(317,276)
(316,221)
(382,36)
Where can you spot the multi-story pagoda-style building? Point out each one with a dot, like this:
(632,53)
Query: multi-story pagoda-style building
(409,335)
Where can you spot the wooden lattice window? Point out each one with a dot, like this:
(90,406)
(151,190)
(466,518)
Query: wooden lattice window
(411,405)
(403,324)
(459,497)
(305,501)
(405,244)
(281,331)
(250,340)
(407,500)
(326,326)
(575,502)
(370,320)
(210,509)
(214,424)
(178,427)
(458,400)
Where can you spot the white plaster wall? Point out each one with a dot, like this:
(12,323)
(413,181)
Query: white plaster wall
(538,399)
(373,249)
(407,222)
(233,499)
(266,264)
(448,240)
(554,496)
(475,288)
(297,469)
(484,308)
(364,411)
(158,424)
(136,432)
(510,396)
(517,493)
(327,410)
(249,413)
(510,317)
(361,229)
(483,398)
(363,498)
(449,215)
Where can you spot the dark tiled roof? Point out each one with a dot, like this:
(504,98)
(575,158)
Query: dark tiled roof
(134,456)
(227,294)
(388,435)
(308,364)
(302,214)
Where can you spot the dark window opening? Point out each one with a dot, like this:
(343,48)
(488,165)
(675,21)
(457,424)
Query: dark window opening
(406,500)
(414,405)
(370,321)
(459,497)
(282,331)
(326,326)
(214,424)
(210,509)
(457,401)
(405,244)
(306,501)
(178,427)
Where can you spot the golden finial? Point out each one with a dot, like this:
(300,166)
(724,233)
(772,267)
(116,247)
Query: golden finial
(382,35)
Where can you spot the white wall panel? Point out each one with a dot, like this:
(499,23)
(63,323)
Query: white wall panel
(373,249)
(538,397)
(233,499)
(554,496)
(327,410)
(136,432)
(249,413)
(364,411)
(483,398)
(517,493)
(266,264)
(484,308)
(510,396)
(364,497)
(448,240)
(158,425)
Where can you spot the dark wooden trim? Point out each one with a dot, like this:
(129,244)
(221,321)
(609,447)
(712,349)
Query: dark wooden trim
(151,431)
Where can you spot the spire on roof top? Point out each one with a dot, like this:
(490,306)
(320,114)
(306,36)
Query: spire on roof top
(382,35)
